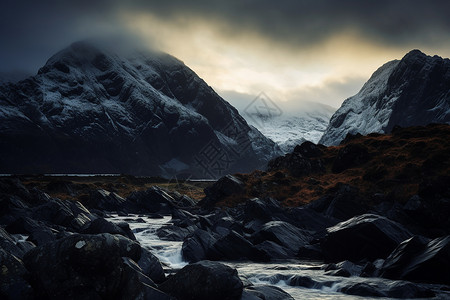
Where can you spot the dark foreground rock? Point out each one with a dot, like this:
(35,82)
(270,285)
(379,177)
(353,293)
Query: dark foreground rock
(265,292)
(204,280)
(363,237)
(417,260)
(88,267)
(13,275)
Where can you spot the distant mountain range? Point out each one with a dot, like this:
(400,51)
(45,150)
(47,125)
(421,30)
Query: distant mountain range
(91,111)
(291,127)
(409,92)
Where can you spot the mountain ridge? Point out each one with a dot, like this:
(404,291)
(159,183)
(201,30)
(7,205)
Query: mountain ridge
(407,92)
(91,111)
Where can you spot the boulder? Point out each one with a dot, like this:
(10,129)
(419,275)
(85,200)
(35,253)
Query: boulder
(284,234)
(105,200)
(342,203)
(224,187)
(204,280)
(233,246)
(363,237)
(100,225)
(195,247)
(152,200)
(418,260)
(265,292)
(13,283)
(80,266)
(151,266)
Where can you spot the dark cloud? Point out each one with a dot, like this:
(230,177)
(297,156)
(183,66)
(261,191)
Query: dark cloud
(32,30)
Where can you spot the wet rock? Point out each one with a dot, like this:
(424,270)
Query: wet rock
(234,247)
(13,283)
(174,233)
(204,280)
(418,260)
(363,289)
(100,225)
(363,237)
(151,266)
(195,247)
(135,285)
(303,281)
(80,266)
(284,234)
(344,269)
(265,292)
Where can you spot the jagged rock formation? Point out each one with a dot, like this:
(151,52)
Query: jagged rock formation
(409,92)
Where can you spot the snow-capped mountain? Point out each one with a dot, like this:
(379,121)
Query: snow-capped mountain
(292,126)
(89,110)
(412,91)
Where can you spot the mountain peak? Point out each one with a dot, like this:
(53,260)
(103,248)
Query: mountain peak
(409,92)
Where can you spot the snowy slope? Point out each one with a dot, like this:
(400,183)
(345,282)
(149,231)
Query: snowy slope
(90,110)
(413,91)
(291,128)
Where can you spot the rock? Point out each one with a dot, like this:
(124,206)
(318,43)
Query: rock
(135,285)
(195,247)
(152,200)
(100,225)
(13,284)
(343,269)
(224,187)
(363,289)
(342,203)
(174,233)
(284,234)
(105,200)
(7,243)
(80,266)
(204,280)
(234,247)
(363,237)
(151,266)
(38,232)
(264,210)
(309,149)
(309,219)
(272,250)
(418,260)
(350,156)
(54,211)
(296,164)
(408,290)
(265,292)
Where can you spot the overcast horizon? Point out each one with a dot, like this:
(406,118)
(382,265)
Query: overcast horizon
(320,51)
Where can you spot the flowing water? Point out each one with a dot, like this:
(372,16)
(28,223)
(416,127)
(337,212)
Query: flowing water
(279,273)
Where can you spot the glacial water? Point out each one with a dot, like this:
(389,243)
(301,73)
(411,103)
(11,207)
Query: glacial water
(278,273)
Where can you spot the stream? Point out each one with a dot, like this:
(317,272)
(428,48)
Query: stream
(278,273)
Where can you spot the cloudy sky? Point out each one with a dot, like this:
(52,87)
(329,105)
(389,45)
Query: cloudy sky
(305,50)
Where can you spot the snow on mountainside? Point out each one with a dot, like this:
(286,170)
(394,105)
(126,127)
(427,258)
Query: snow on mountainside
(412,91)
(90,111)
(289,129)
